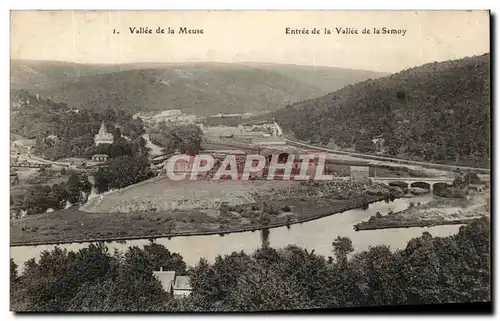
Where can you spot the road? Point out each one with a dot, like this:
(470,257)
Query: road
(154,150)
(389,159)
(39,160)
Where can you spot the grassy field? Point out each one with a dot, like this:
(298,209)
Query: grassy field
(162,194)
(30,177)
(277,207)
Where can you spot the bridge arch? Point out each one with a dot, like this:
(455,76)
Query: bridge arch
(401,184)
(425,185)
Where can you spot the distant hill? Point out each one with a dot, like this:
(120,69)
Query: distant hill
(38,76)
(199,88)
(436,112)
(327,79)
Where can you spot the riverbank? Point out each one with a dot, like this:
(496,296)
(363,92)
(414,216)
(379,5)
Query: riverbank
(273,209)
(440,211)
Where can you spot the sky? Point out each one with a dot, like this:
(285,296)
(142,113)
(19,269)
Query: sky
(251,36)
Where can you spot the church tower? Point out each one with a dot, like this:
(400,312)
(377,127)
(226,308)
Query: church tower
(103,130)
(103,137)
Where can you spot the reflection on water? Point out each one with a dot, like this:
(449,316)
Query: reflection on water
(264,235)
(317,234)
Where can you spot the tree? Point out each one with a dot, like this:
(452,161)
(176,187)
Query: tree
(97,297)
(117,133)
(161,257)
(13,271)
(93,264)
(120,147)
(76,185)
(189,138)
(212,284)
(48,283)
(138,147)
(34,200)
(430,269)
(376,273)
(184,138)
(57,197)
(262,289)
(102,180)
(123,171)
(342,246)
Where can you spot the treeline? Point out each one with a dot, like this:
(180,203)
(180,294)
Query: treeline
(64,132)
(37,199)
(438,112)
(429,270)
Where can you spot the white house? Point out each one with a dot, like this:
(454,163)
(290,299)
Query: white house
(166,278)
(179,285)
(182,287)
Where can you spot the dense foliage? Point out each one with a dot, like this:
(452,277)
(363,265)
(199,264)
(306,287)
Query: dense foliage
(61,131)
(121,172)
(186,139)
(437,112)
(39,198)
(429,270)
(93,279)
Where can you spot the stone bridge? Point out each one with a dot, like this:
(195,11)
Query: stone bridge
(422,182)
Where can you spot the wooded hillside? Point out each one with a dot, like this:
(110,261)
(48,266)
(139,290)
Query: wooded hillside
(437,112)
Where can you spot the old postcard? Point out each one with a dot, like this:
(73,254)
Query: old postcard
(249,160)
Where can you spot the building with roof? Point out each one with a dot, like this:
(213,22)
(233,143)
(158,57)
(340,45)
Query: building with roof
(176,285)
(232,120)
(231,132)
(182,287)
(100,158)
(166,278)
(171,112)
(103,137)
(356,170)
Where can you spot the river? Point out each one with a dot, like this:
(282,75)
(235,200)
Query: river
(317,234)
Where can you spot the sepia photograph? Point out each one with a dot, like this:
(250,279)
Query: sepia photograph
(250,161)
